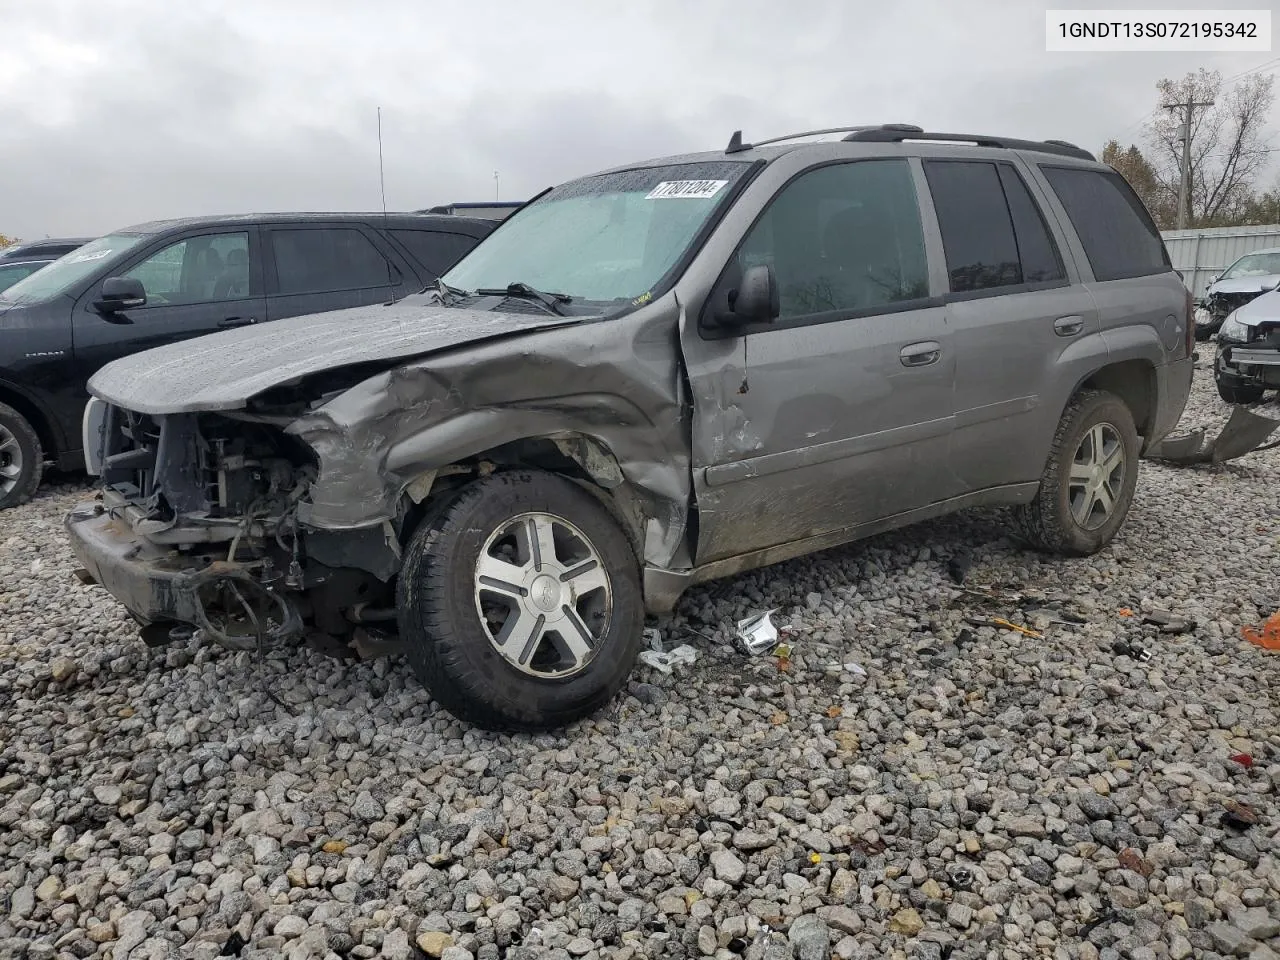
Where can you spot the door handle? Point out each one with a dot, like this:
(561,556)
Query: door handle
(237,322)
(920,354)
(1068,326)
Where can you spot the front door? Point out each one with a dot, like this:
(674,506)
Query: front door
(195,285)
(839,412)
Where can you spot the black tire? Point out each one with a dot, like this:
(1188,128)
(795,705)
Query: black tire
(1233,391)
(31,457)
(448,645)
(1047,521)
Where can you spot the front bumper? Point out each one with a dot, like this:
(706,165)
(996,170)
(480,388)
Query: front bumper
(1250,363)
(154,584)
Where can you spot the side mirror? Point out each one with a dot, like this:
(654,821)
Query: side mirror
(120,293)
(755,300)
(1271,285)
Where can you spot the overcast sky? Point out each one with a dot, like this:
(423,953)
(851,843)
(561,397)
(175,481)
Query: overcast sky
(118,112)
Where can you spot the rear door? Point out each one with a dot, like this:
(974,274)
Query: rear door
(198,283)
(839,412)
(1011,309)
(317,267)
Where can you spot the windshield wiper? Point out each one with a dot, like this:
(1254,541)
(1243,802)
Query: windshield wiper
(551,301)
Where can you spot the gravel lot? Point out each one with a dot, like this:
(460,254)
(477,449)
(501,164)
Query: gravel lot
(908,785)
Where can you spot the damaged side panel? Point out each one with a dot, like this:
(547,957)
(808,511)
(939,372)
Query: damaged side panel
(613,402)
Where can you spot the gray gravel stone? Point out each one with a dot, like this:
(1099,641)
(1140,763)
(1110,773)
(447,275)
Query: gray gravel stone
(958,785)
(809,937)
(1228,938)
(727,866)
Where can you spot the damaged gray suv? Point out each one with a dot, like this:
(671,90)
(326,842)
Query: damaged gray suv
(672,371)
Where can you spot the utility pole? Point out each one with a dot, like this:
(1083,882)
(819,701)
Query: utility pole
(1184,179)
(495,185)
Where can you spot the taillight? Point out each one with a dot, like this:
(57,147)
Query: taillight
(1191,324)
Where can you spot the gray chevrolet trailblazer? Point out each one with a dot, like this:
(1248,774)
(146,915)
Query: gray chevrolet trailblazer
(675,370)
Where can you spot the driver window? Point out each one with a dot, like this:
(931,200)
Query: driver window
(843,237)
(196,270)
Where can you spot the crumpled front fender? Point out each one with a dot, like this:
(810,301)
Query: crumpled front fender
(617,382)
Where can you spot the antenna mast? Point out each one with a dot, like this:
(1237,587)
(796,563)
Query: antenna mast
(382,182)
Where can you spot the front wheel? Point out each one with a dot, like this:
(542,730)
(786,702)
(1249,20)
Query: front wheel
(21,459)
(520,604)
(1089,479)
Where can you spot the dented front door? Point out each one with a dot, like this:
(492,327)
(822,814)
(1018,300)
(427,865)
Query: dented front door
(822,428)
(840,412)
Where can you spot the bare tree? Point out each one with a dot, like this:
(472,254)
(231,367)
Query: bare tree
(1229,147)
(1130,163)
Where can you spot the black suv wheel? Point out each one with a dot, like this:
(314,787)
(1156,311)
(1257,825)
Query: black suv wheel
(21,459)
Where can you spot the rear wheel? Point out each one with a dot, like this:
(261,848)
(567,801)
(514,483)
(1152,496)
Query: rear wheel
(21,459)
(520,603)
(1089,478)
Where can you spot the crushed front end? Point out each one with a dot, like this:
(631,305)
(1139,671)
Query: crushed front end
(1250,354)
(195,525)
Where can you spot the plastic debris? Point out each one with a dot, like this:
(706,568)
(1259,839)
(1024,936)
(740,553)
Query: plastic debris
(667,661)
(1268,637)
(1243,759)
(1132,650)
(1168,623)
(757,633)
(783,651)
(961,878)
(1125,612)
(1010,625)
(653,638)
(1244,432)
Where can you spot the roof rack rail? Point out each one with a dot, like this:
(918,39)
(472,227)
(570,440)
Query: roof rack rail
(887,134)
(737,146)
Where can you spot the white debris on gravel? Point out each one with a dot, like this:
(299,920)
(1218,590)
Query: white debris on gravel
(967,791)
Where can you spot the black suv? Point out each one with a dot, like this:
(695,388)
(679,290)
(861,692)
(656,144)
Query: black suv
(48,249)
(155,283)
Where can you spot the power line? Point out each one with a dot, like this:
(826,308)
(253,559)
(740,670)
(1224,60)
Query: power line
(1270,66)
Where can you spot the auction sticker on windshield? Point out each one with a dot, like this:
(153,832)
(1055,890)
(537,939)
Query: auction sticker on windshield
(685,189)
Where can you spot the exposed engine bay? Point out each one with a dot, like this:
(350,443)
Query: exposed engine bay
(219,495)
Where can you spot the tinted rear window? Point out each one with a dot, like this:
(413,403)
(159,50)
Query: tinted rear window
(435,249)
(977,233)
(992,231)
(1114,227)
(327,259)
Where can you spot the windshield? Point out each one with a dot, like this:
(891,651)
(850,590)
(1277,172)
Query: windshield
(1254,265)
(611,237)
(11,273)
(69,270)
